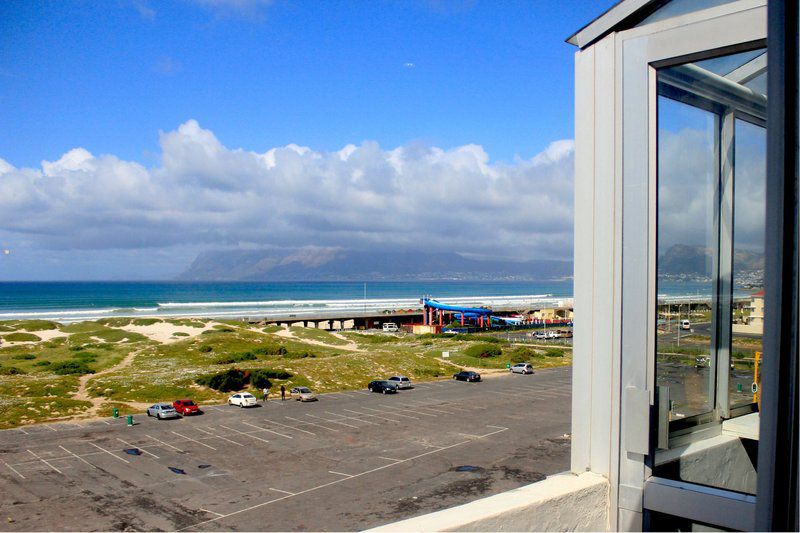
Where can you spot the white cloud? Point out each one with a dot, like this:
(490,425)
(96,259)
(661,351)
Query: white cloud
(206,195)
(253,9)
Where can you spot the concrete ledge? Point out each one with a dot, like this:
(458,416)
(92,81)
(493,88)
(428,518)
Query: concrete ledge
(563,502)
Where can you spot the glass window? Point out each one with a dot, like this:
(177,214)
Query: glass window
(710,254)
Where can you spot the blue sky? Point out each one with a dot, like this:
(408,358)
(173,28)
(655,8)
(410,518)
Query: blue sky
(108,76)
(228,108)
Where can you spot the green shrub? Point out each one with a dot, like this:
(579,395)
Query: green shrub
(553,352)
(86,357)
(235,358)
(64,368)
(24,357)
(522,354)
(270,349)
(180,334)
(300,355)
(10,371)
(146,321)
(21,337)
(273,373)
(205,348)
(42,363)
(230,380)
(483,350)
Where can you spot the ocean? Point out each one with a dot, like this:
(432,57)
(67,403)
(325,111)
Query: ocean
(74,301)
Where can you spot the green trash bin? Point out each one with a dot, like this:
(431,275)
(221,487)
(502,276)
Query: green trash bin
(130,420)
(508,365)
(116,413)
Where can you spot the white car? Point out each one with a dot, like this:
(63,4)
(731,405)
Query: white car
(402,382)
(390,327)
(303,394)
(522,368)
(540,335)
(242,399)
(686,325)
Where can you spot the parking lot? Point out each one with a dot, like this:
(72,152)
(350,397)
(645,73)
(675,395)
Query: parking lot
(352,460)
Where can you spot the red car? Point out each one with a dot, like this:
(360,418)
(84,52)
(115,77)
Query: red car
(186,407)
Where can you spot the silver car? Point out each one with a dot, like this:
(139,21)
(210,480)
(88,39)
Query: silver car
(402,382)
(162,411)
(522,368)
(303,394)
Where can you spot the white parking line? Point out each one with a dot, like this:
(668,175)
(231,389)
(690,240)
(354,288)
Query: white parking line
(215,408)
(376,416)
(50,428)
(13,469)
(219,436)
(332,421)
(360,392)
(193,440)
(45,462)
(324,485)
(164,443)
(22,430)
(78,457)
(109,453)
(383,412)
(209,512)
(390,459)
(404,409)
(354,418)
(137,447)
(283,491)
(243,433)
(275,432)
(313,424)
(339,473)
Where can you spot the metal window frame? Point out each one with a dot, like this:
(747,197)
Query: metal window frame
(778,469)
(733,28)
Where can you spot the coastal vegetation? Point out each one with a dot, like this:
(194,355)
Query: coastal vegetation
(87,369)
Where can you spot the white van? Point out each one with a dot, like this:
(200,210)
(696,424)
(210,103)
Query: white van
(685,324)
(390,327)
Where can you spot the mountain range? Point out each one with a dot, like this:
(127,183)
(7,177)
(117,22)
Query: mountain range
(352,265)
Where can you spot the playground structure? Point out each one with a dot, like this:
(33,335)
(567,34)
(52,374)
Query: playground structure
(433,311)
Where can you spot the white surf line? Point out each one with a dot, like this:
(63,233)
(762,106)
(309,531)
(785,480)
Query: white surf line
(389,413)
(78,457)
(275,432)
(109,453)
(376,416)
(283,491)
(13,469)
(210,512)
(339,473)
(193,440)
(324,485)
(138,448)
(45,462)
(219,436)
(332,421)
(164,443)
(313,424)
(354,417)
(243,433)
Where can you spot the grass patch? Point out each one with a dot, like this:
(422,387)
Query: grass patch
(10,371)
(146,321)
(483,350)
(21,337)
(71,367)
(23,357)
(318,335)
(236,358)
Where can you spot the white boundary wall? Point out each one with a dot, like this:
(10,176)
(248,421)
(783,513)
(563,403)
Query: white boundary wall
(563,502)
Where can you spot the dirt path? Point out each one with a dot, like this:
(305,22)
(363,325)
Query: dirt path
(83,395)
(351,346)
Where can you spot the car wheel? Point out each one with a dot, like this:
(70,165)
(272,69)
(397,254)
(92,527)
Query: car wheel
(159,416)
(384,391)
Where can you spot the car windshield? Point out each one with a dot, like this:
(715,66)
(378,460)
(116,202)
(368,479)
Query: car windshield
(247,396)
(303,389)
(165,406)
(187,402)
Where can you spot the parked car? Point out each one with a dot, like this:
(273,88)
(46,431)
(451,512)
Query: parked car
(382,385)
(186,407)
(467,375)
(402,382)
(522,368)
(162,411)
(242,399)
(685,324)
(540,335)
(303,394)
(390,327)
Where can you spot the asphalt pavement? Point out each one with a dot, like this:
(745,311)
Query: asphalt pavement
(350,461)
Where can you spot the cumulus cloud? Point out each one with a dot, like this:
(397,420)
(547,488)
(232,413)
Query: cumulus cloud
(207,195)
